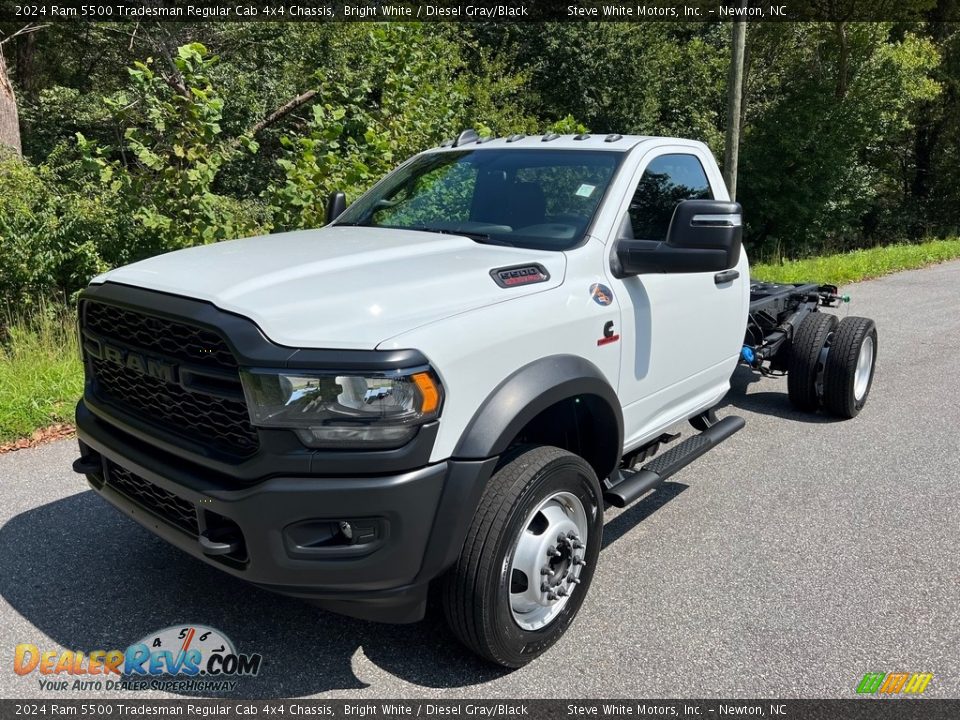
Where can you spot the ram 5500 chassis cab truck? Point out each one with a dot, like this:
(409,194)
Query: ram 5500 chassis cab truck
(450,382)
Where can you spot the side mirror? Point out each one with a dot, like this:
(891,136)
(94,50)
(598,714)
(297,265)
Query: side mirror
(336,204)
(704,236)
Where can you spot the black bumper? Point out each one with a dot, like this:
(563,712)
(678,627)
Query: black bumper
(285,532)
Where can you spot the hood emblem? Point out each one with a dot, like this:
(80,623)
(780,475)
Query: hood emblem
(519,275)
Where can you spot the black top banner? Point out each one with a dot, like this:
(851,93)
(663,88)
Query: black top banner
(478,10)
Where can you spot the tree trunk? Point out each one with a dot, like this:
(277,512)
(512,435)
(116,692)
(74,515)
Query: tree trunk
(734,100)
(843,61)
(25,64)
(9,119)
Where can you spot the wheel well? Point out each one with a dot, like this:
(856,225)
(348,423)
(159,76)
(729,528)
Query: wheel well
(584,425)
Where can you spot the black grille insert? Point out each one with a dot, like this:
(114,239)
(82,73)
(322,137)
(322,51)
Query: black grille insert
(171,508)
(214,420)
(158,336)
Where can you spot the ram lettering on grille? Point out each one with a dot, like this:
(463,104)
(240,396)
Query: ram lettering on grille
(137,362)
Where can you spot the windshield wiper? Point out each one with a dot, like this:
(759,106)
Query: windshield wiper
(476,236)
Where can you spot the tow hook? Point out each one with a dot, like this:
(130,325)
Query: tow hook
(87,465)
(220,544)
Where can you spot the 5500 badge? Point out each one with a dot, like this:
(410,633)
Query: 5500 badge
(191,651)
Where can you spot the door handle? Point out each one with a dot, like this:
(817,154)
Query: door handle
(726,276)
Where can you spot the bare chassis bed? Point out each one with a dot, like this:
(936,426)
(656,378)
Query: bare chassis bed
(776,312)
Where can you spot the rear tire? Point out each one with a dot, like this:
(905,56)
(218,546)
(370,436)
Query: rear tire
(803,364)
(494,604)
(848,375)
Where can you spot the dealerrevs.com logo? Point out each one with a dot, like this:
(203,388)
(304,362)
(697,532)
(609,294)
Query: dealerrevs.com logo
(181,658)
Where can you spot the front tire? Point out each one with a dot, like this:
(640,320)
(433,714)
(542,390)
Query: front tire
(529,556)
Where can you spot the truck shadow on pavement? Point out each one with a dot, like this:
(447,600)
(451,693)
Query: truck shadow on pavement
(90,579)
(775,403)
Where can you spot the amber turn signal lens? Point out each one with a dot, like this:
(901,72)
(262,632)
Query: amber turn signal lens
(429,391)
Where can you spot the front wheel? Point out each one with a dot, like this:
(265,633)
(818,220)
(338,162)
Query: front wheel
(528,558)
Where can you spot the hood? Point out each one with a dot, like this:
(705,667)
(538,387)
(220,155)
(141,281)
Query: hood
(341,287)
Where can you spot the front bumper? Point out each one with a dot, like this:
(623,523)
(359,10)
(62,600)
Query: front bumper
(285,532)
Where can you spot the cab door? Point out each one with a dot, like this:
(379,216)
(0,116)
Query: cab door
(682,332)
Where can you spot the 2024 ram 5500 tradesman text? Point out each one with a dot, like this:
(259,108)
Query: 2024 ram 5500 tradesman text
(450,381)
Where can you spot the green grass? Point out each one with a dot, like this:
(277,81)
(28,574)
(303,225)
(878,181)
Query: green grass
(41,376)
(859,264)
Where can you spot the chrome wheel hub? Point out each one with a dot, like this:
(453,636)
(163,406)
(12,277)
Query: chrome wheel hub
(546,565)
(861,378)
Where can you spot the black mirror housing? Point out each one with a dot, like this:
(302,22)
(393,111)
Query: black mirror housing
(704,236)
(336,204)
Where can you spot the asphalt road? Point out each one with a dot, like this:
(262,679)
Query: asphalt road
(797,556)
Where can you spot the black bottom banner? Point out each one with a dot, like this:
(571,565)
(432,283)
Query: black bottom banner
(849,709)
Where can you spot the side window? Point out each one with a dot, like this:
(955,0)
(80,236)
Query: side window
(667,180)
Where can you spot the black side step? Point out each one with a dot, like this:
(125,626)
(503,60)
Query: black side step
(633,485)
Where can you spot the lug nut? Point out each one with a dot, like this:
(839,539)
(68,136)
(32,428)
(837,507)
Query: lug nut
(580,561)
(562,592)
(551,596)
(544,587)
(544,571)
(552,551)
(575,581)
(577,545)
(561,538)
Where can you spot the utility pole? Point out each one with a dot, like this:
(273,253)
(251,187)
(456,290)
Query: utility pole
(731,154)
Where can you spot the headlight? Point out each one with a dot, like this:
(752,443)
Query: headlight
(375,410)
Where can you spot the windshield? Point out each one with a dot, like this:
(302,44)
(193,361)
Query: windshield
(542,199)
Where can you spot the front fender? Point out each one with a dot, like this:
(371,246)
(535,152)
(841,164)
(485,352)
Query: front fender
(528,392)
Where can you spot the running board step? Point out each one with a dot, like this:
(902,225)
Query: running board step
(634,484)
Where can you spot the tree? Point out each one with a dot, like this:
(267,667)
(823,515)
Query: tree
(9,117)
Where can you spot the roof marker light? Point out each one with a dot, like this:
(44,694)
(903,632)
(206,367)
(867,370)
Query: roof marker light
(468,135)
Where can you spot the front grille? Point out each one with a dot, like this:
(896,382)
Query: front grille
(175,510)
(158,336)
(218,422)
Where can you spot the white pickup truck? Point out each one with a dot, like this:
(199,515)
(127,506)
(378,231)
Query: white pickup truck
(450,382)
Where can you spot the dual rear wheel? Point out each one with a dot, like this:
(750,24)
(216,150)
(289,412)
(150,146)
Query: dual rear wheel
(831,364)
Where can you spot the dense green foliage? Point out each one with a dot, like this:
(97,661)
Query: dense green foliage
(141,139)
